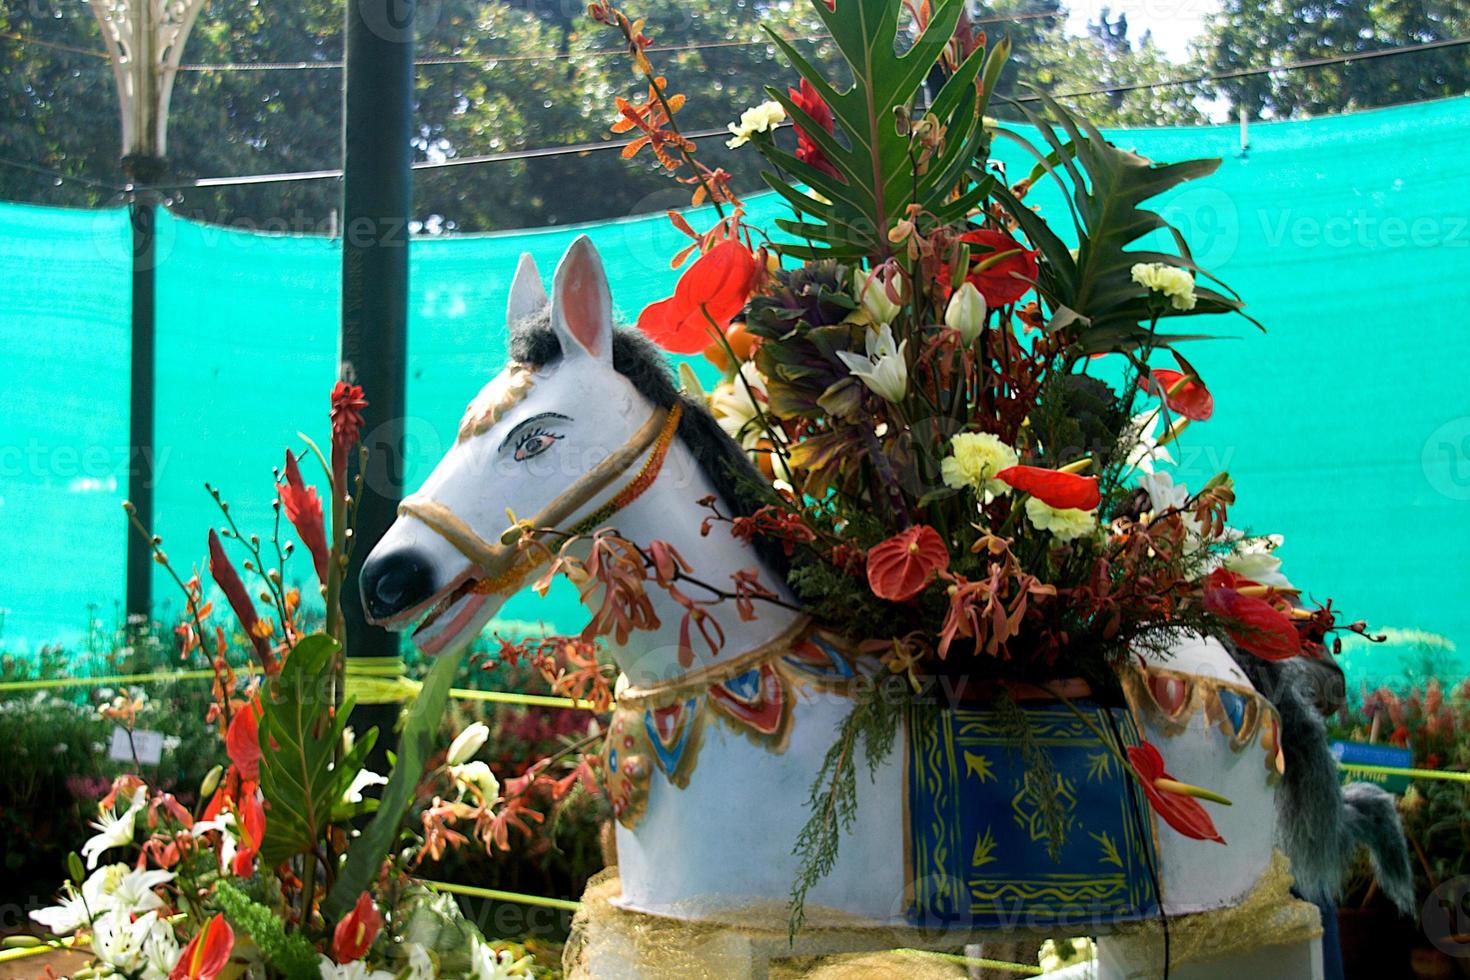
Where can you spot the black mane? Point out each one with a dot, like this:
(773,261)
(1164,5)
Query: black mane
(719,457)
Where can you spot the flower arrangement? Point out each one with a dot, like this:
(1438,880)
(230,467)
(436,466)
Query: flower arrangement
(965,410)
(283,865)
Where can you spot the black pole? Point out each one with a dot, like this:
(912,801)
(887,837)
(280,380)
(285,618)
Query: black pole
(143,216)
(377,182)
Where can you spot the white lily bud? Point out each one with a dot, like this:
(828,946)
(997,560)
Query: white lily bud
(872,293)
(467,743)
(966,312)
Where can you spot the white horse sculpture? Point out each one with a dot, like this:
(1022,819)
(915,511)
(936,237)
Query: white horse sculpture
(712,764)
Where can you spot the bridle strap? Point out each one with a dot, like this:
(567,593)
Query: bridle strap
(505,563)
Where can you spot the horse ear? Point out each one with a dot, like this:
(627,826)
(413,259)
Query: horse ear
(527,295)
(581,305)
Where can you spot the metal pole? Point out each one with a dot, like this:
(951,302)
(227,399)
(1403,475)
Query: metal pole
(143,215)
(377,181)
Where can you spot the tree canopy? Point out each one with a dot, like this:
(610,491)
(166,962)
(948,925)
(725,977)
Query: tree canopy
(530,74)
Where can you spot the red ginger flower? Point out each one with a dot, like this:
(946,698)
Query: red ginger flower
(901,567)
(1185,394)
(357,930)
(346,414)
(225,576)
(1253,622)
(304,510)
(806,99)
(207,953)
(1053,487)
(707,298)
(1180,811)
(1003,281)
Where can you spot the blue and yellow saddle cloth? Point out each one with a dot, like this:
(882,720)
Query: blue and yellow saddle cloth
(977,834)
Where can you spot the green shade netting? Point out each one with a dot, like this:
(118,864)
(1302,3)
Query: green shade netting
(1346,427)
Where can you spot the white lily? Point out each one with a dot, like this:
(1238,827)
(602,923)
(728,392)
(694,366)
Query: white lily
(487,964)
(67,916)
(733,404)
(1254,560)
(118,939)
(360,782)
(114,830)
(1163,493)
(161,951)
(1146,450)
(883,368)
(356,970)
(229,842)
(467,743)
(966,312)
(476,777)
(134,892)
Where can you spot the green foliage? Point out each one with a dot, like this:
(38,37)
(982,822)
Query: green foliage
(1246,34)
(872,729)
(876,186)
(1094,296)
(415,745)
(292,956)
(299,736)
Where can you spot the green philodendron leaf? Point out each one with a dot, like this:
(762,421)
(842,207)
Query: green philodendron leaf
(415,745)
(1105,189)
(876,184)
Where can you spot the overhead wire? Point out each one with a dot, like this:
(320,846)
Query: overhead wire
(611,144)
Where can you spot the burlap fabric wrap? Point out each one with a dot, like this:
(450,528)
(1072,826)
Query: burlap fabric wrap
(1269,916)
(633,945)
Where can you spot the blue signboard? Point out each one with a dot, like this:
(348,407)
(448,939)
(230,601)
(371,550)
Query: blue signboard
(1363,754)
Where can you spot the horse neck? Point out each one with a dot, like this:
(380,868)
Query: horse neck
(669,511)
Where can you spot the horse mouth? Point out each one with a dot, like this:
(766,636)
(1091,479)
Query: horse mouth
(451,617)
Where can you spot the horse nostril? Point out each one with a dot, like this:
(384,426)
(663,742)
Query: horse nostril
(395,581)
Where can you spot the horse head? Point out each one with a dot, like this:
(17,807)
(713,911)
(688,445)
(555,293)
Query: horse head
(581,422)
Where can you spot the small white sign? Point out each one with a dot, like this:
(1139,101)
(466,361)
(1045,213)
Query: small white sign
(145,746)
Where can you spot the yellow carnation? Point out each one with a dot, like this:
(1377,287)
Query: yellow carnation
(1168,280)
(978,456)
(1064,523)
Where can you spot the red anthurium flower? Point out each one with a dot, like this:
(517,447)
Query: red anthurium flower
(357,930)
(304,510)
(1183,813)
(250,827)
(1253,622)
(242,740)
(207,953)
(225,576)
(1053,487)
(708,297)
(900,568)
(1190,399)
(998,282)
(807,151)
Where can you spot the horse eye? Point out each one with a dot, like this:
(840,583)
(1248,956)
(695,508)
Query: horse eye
(534,444)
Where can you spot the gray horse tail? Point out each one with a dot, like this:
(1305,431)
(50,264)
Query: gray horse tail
(1320,823)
